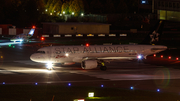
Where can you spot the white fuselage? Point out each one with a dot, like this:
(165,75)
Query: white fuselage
(62,54)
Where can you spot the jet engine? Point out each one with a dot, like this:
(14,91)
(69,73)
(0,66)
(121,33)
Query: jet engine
(89,64)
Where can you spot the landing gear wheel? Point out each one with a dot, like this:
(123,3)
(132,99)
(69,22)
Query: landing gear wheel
(103,68)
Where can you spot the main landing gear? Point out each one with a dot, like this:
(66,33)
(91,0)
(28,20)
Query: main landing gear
(102,66)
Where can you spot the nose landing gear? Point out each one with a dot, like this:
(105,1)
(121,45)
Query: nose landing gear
(49,66)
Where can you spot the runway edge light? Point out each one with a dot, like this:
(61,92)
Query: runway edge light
(169,57)
(161,56)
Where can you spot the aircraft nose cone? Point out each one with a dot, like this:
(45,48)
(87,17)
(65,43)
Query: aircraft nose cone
(37,57)
(32,57)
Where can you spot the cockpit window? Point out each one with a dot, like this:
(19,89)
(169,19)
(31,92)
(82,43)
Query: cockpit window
(41,52)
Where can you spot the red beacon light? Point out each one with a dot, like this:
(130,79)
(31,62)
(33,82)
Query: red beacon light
(42,38)
(154,55)
(87,45)
(177,58)
(33,27)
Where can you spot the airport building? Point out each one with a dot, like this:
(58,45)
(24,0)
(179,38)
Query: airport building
(69,29)
(10,30)
(164,9)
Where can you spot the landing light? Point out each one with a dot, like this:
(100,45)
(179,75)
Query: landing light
(140,56)
(49,65)
(67,54)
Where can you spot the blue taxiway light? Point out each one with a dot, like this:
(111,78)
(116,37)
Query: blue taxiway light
(4,83)
(131,88)
(158,90)
(143,2)
(69,84)
(36,83)
(102,85)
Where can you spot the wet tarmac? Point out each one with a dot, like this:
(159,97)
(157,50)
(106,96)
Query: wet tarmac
(152,74)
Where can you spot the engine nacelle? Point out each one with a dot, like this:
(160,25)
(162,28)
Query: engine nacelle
(89,64)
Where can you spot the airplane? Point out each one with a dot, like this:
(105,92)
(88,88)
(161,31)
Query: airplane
(24,36)
(95,56)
